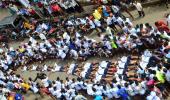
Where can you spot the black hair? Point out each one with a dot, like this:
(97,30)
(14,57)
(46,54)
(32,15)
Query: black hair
(118,86)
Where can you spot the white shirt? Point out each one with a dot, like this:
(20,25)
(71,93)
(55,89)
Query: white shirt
(97,22)
(109,21)
(115,9)
(44,26)
(103,64)
(74,53)
(132,31)
(92,25)
(32,40)
(68,83)
(42,36)
(71,68)
(168,75)
(78,85)
(45,82)
(57,67)
(34,88)
(120,20)
(152,96)
(114,92)
(89,89)
(58,85)
(113,18)
(61,53)
(108,45)
(34,67)
(108,31)
(138,6)
(51,90)
(48,43)
(168,19)
(108,93)
(45,68)
(57,93)
(66,36)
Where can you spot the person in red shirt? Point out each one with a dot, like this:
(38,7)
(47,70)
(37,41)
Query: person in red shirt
(56,9)
(160,23)
(162,26)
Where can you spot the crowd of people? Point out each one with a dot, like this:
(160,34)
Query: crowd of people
(143,73)
(41,8)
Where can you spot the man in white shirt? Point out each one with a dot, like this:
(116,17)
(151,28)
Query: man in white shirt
(61,54)
(58,84)
(139,9)
(56,92)
(42,36)
(168,19)
(74,54)
(110,23)
(152,96)
(80,97)
(167,75)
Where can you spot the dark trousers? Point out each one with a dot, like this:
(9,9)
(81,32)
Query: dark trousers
(141,13)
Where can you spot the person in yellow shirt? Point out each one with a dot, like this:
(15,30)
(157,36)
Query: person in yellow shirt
(28,25)
(25,85)
(21,50)
(160,76)
(97,15)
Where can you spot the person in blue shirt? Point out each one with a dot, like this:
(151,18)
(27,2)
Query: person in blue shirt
(122,93)
(98,97)
(18,96)
(105,13)
(72,46)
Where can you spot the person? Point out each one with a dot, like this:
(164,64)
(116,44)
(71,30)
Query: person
(162,26)
(139,9)
(18,97)
(167,75)
(122,93)
(152,96)
(79,96)
(66,47)
(168,19)
(124,7)
(98,97)
(164,2)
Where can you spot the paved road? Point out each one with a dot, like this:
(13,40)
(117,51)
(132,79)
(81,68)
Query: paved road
(152,14)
